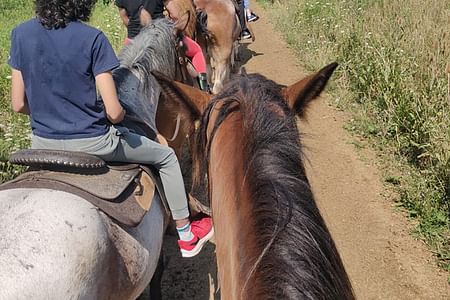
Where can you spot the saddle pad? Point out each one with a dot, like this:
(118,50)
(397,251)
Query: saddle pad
(129,208)
(109,185)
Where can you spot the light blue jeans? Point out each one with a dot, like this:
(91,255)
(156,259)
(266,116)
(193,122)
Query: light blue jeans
(121,145)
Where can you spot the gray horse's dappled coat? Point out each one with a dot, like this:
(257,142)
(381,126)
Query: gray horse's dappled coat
(55,245)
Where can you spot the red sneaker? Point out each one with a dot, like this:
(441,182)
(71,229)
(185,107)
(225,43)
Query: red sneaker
(203,232)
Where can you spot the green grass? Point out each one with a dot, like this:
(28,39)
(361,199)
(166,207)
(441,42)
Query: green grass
(15,128)
(394,76)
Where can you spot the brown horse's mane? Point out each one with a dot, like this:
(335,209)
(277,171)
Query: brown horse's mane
(297,256)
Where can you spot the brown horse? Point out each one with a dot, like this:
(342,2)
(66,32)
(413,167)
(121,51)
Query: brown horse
(219,40)
(271,241)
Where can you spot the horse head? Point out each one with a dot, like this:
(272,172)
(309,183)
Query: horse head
(218,37)
(152,50)
(297,96)
(271,241)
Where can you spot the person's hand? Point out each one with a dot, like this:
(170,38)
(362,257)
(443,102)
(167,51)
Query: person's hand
(107,89)
(162,140)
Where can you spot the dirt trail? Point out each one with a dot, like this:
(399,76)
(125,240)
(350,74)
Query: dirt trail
(381,258)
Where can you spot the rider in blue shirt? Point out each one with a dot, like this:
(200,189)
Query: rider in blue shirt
(60,76)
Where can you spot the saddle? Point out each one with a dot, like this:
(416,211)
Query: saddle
(122,191)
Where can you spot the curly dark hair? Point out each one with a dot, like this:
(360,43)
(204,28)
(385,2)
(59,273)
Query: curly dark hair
(54,14)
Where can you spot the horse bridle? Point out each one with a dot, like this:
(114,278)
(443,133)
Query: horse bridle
(182,73)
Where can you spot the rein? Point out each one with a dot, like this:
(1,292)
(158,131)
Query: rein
(224,112)
(177,129)
(182,64)
(185,77)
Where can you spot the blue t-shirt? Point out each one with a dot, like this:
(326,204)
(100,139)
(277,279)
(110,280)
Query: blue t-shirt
(58,67)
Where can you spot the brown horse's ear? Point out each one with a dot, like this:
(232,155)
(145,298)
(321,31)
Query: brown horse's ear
(300,94)
(189,97)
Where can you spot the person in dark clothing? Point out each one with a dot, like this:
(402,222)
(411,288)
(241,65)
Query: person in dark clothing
(245,33)
(151,9)
(129,11)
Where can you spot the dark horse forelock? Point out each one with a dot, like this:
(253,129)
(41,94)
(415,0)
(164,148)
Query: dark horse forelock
(297,257)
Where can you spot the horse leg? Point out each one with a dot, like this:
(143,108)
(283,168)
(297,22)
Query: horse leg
(236,44)
(221,75)
(155,284)
(153,290)
(235,57)
(212,66)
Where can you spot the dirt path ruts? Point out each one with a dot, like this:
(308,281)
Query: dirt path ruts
(381,258)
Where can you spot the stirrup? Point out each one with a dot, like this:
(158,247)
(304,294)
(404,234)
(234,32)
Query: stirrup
(203,82)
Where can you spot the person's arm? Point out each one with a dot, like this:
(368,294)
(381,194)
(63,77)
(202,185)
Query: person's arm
(124,16)
(19,101)
(145,17)
(107,88)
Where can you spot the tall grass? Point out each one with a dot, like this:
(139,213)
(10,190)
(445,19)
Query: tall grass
(15,128)
(395,77)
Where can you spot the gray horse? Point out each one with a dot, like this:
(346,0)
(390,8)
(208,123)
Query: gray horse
(56,245)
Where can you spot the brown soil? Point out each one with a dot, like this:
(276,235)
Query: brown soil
(382,259)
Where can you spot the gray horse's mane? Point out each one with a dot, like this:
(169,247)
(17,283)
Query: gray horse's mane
(153,49)
(144,53)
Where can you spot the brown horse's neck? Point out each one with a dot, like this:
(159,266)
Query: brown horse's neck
(271,241)
(232,210)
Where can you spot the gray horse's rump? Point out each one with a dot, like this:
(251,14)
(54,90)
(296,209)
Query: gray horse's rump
(54,245)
